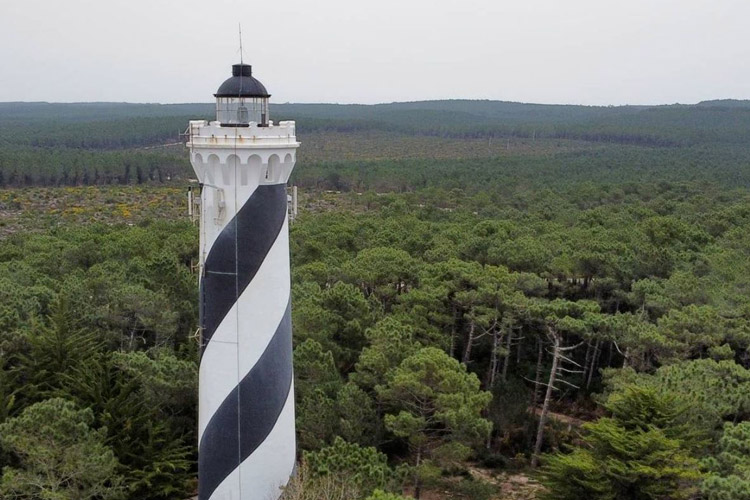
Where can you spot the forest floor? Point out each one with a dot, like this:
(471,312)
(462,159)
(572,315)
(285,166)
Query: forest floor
(512,485)
(508,485)
(561,418)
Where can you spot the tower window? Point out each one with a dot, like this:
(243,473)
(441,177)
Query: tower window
(242,115)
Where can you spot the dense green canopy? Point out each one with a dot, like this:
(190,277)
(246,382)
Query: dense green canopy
(467,276)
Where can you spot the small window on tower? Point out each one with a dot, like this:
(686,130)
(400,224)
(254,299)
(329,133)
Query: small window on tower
(242,115)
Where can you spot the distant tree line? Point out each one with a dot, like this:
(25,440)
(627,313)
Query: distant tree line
(73,167)
(83,144)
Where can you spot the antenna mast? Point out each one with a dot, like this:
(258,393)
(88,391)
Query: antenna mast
(241,60)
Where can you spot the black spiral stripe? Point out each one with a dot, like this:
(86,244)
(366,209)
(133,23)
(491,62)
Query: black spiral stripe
(254,230)
(253,407)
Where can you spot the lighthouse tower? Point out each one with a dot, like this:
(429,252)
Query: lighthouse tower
(246,396)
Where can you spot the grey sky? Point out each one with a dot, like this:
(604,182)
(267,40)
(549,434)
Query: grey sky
(550,51)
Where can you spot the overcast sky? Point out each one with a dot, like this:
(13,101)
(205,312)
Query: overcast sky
(547,51)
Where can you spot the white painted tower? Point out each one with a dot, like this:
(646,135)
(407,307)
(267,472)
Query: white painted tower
(246,396)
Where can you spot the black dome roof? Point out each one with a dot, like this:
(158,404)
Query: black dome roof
(242,84)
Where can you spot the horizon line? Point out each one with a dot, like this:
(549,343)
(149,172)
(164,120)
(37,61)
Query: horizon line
(321,103)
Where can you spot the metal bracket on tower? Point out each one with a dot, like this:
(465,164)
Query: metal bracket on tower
(291,199)
(221,203)
(194,203)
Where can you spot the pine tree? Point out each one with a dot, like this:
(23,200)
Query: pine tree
(58,455)
(436,406)
(729,467)
(642,451)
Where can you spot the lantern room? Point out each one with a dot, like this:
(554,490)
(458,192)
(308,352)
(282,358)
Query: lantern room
(242,99)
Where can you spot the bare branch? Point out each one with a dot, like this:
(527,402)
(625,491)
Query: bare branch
(567,383)
(570,348)
(560,368)
(568,360)
(541,383)
(618,348)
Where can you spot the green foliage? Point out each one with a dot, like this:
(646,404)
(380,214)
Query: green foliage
(436,406)
(728,475)
(309,485)
(315,369)
(58,455)
(710,391)
(127,284)
(56,348)
(382,495)
(102,319)
(166,382)
(152,438)
(383,272)
(164,469)
(316,419)
(336,318)
(475,489)
(642,451)
(317,383)
(389,343)
(721,352)
(469,228)
(696,329)
(364,466)
(358,419)
(8,387)
(509,411)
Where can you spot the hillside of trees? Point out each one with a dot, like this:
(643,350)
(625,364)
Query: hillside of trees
(490,300)
(51,144)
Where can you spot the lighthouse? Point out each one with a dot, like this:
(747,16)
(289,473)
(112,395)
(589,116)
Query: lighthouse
(246,440)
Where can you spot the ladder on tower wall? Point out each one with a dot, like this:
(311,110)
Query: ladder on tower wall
(291,199)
